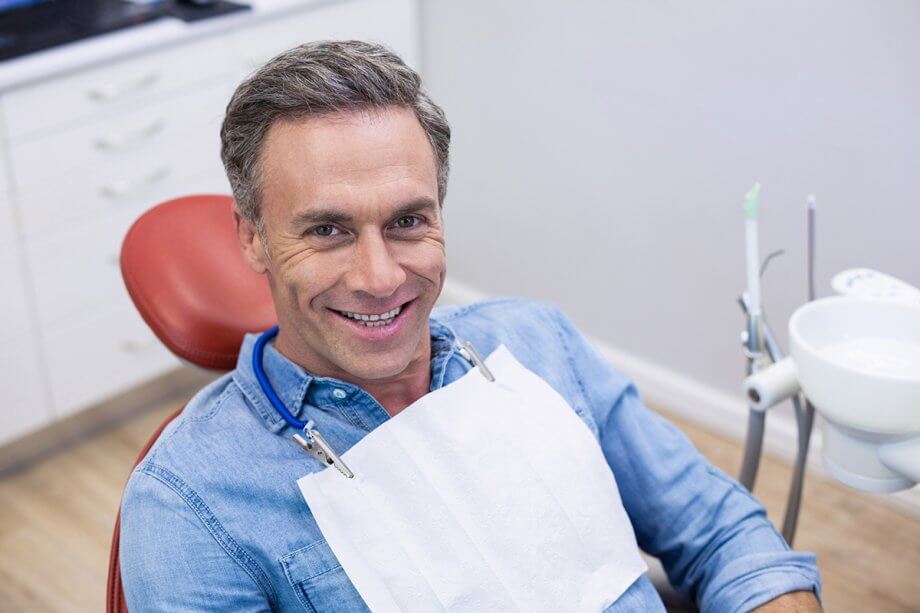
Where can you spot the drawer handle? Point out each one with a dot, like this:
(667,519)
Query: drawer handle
(113,91)
(136,346)
(125,187)
(129,137)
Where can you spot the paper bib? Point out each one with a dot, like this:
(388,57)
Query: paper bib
(480,496)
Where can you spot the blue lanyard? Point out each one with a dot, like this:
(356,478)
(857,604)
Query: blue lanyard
(257,355)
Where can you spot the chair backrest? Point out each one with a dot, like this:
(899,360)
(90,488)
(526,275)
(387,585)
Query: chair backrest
(183,269)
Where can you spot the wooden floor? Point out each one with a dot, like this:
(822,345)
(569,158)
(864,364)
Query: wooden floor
(56,519)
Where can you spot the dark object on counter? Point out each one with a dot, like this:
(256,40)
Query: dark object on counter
(196,10)
(28,26)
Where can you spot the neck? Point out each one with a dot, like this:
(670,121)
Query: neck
(397,393)
(394,393)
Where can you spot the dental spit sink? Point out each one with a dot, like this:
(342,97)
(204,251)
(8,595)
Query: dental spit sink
(857,361)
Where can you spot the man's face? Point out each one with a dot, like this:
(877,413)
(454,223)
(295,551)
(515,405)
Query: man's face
(354,231)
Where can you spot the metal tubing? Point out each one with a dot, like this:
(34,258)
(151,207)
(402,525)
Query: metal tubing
(806,416)
(794,502)
(752,448)
(753,443)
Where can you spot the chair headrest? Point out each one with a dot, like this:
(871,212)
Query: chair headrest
(184,271)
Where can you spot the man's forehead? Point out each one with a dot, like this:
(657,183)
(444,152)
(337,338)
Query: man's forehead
(333,159)
(347,141)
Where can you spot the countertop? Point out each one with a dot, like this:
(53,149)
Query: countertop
(122,44)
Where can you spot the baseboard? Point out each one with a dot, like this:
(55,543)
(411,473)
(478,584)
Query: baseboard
(63,434)
(703,405)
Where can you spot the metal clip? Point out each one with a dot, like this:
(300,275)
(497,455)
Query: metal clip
(467,351)
(314,444)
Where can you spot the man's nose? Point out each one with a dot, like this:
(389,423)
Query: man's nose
(373,269)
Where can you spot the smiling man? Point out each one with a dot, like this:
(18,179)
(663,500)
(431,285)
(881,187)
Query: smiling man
(350,234)
(339,164)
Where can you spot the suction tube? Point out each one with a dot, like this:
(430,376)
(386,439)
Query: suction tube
(772,385)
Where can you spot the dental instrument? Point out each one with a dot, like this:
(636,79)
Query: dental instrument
(753,336)
(757,359)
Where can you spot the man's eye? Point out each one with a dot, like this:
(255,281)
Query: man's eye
(407,221)
(324,230)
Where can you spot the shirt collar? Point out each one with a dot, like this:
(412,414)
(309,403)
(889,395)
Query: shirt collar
(294,385)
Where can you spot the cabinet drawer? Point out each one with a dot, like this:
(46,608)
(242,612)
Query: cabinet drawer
(15,318)
(101,354)
(4,178)
(7,222)
(72,200)
(391,22)
(76,269)
(24,406)
(122,186)
(7,227)
(98,92)
(182,128)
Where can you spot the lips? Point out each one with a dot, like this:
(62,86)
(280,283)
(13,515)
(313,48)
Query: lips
(373,320)
(375,326)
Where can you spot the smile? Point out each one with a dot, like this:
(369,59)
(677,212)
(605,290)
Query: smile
(373,320)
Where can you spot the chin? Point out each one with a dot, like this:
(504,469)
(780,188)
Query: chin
(381,369)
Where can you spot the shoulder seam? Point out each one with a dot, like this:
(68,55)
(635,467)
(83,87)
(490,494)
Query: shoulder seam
(475,306)
(233,549)
(215,407)
(554,318)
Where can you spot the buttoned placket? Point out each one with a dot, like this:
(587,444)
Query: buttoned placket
(350,402)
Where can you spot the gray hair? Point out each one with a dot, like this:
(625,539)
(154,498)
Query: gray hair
(315,79)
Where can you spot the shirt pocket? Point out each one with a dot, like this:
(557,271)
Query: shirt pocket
(320,581)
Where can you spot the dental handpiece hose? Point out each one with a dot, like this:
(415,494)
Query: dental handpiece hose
(755,356)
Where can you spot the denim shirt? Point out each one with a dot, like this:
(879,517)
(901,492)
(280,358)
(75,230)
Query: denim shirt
(212,519)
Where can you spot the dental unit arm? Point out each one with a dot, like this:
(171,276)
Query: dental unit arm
(855,358)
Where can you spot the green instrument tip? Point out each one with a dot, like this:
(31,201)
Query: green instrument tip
(750,202)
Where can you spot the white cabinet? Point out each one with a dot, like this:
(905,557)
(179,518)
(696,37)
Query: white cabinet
(7,221)
(112,88)
(15,312)
(23,408)
(23,399)
(101,353)
(139,157)
(82,156)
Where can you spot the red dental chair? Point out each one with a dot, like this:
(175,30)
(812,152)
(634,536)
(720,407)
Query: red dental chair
(186,275)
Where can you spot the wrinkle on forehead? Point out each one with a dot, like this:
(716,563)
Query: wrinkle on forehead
(347,154)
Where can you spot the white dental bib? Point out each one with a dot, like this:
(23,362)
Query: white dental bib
(480,496)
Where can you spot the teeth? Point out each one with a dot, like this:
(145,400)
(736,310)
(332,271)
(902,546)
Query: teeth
(375,320)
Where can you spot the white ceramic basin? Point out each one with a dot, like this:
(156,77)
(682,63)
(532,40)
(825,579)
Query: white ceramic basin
(858,361)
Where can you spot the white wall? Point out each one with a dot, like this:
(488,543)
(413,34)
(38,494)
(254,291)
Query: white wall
(602,149)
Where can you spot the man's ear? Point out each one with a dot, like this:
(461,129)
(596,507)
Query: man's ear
(250,242)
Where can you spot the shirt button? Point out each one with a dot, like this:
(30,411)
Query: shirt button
(339,393)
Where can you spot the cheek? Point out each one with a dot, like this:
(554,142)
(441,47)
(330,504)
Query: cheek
(307,278)
(425,259)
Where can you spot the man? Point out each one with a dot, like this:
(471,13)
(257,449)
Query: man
(339,163)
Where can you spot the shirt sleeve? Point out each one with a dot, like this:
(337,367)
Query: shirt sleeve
(711,535)
(169,559)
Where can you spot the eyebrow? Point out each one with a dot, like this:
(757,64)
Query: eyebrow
(336,215)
